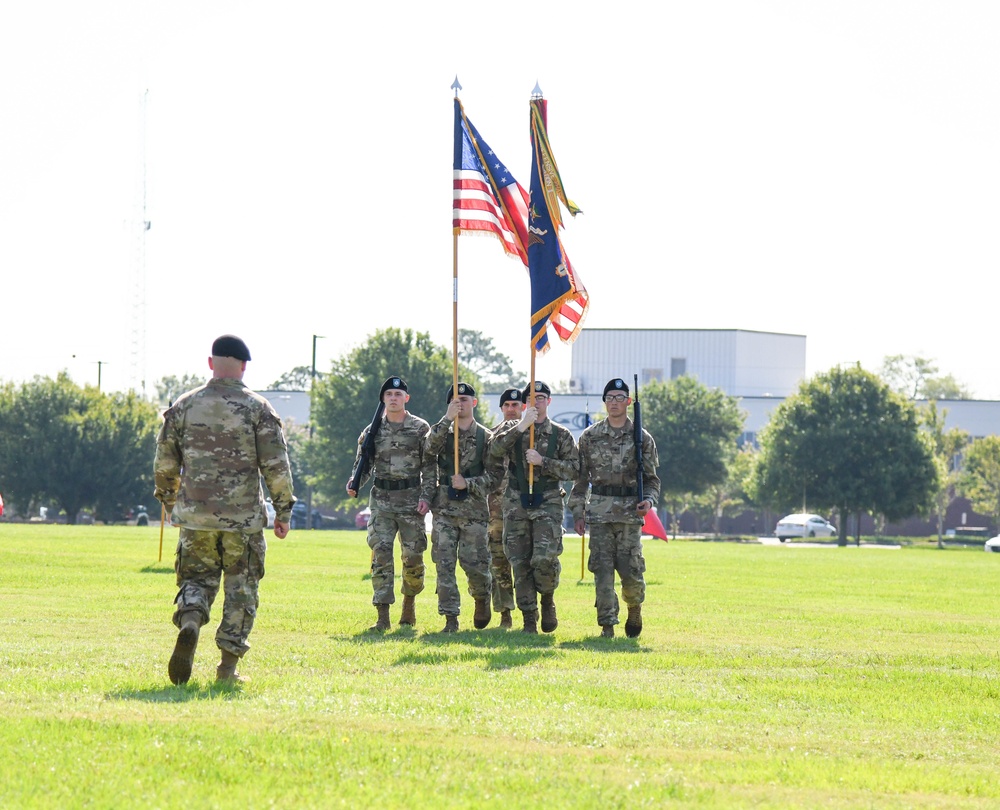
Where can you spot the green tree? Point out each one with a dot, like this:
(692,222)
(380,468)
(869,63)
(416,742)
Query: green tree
(298,379)
(76,446)
(947,445)
(915,378)
(481,357)
(846,441)
(980,480)
(170,387)
(695,429)
(344,401)
(728,497)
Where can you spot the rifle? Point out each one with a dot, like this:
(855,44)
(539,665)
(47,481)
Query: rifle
(367,457)
(637,425)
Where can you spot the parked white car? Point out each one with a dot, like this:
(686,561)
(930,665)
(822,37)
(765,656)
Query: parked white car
(803,525)
(993,544)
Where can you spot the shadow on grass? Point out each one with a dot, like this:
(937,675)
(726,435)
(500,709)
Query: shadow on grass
(157,568)
(180,694)
(495,648)
(618,644)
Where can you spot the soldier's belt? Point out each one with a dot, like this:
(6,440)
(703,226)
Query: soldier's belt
(393,485)
(539,486)
(619,492)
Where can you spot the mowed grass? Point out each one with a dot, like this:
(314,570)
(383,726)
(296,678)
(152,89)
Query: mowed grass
(764,677)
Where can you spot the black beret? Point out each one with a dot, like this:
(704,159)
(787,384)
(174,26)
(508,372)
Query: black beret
(540,388)
(393,382)
(617,384)
(230,346)
(464,390)
(511,395)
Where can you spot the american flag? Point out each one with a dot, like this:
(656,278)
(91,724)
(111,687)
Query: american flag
(487,198)
(558,297)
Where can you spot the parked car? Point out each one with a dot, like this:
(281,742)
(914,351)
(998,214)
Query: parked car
(803,525)
(361,518)
(300,515)
(993,544)
(269,514)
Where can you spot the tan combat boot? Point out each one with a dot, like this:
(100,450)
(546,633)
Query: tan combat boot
(607,631)
(549,620)
(506,623)
(530,621)
(481,618)
(182,659)
(633,624)
(450,624)
(383,620)
(226,671)
(409,614)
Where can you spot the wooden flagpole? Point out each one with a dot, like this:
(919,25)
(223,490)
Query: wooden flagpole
(454,340)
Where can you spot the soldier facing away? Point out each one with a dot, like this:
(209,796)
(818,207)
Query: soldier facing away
(461,514)
(403,486)
(533,511)
(511,406)
(608,467)
(213,447)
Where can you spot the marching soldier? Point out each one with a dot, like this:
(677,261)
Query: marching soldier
(532,515)
(214,445)
(461,514)
(404,483)
(511,405)
(608,467)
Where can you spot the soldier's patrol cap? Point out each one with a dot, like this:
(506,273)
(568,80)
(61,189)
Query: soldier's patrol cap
(397,383)
(464,390)
(617,384)
(511,395)
(540,388)
(230,346)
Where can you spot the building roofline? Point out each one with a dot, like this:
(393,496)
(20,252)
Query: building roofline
(645,329)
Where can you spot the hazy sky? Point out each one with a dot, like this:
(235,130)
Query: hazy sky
(821,168)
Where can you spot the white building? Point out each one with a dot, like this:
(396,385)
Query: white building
(736,361)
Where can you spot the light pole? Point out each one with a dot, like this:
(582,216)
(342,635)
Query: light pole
(100,363)
(312,383)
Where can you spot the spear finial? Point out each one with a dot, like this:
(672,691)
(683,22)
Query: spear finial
(456,85)
(537,92)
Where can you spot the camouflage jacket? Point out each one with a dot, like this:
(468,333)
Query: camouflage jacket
(400,456)
(214,445)
(559,463)
(499,484)
(607,459)
(481,481)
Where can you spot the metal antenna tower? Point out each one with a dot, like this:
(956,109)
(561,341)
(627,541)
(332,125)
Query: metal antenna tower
(139,225)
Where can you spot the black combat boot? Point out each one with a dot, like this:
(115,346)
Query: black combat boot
(530,621)
(450,624)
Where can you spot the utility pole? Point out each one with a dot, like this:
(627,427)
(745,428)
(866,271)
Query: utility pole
(100,363)
(312,384)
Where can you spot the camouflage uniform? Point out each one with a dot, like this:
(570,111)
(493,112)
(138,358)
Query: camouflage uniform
(403,475)
(607,461)
(459,532)
(532,537)
(503,582)
(215,443)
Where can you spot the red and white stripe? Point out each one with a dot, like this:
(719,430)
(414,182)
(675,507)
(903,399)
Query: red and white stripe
(477,210)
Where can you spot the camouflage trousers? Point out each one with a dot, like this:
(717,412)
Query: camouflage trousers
(455,541)
(532,542)
(616,547)
(204,557)
(503,581)
(383,526)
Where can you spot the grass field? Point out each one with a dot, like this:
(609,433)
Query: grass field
(764,677)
